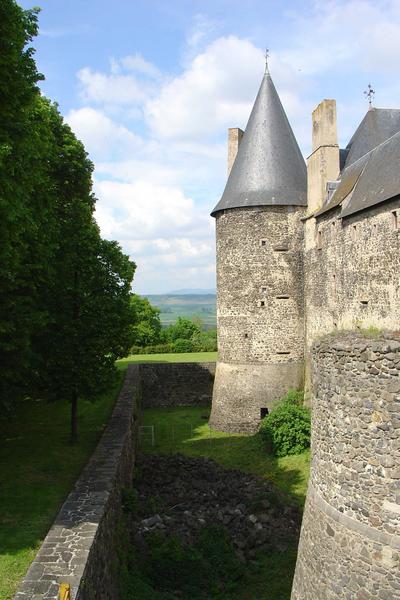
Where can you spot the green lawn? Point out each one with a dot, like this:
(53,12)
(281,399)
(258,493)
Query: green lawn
(185,357)
(38,468)
(186,430)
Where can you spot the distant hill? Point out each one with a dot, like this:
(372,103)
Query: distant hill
(188,304)
(188,292)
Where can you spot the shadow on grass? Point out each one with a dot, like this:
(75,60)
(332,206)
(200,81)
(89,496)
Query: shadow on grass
(38,468)
(186,430)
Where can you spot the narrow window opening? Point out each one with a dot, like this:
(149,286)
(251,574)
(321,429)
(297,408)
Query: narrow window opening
(395,220)
(246,336)
(354,232)
(281,249)
(319,240)
(283,297)
(263,242)
(283,352)
(364,302)
(263,412)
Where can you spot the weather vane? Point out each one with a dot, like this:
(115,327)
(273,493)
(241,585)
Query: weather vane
(370,93)
(266,60)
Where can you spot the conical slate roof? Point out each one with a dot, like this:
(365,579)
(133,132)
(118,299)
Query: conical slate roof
(269,168)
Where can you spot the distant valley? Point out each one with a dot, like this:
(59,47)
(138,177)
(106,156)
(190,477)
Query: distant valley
(185,304)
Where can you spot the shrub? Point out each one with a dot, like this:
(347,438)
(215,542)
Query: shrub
(181,345)
(155,349)
(287,429)
(205,341)
(183,329)
(159,349)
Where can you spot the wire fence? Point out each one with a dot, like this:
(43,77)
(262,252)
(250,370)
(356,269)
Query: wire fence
(172,436)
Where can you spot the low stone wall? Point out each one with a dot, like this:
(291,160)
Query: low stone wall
(350,542)
(177,384)
(80,547)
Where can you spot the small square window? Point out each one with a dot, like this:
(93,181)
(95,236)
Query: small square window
(263,242)
(395,220)
(261,303)
(263,289)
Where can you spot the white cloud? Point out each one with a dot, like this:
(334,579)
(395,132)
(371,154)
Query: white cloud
(136,62)
(209,94)
(110,89)
(103,137)
(346,35)
(145,210)
(163,231)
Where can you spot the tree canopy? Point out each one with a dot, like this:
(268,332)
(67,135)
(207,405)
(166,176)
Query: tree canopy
(65,306)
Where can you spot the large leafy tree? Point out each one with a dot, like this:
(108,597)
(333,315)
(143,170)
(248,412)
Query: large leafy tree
(147,327)
(89,311)
(65,312)
(25,144)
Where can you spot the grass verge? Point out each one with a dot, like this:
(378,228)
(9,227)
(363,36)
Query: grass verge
(189,357)
(38,468)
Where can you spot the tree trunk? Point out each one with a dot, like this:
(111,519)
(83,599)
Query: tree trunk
(74,417)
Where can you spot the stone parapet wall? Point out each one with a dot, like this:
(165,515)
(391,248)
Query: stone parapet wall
(80,547)
(177,384)
(350,540)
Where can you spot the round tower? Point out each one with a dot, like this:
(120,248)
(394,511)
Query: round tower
(259,237)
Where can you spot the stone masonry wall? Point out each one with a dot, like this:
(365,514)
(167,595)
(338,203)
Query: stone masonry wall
(80,547)
(260,306)
(350,539)
(260,312)
(352,268)
(177,384)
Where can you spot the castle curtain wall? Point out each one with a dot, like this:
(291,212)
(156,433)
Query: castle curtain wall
(352,272)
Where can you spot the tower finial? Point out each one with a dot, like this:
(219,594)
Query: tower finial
(369,93)
(266,60)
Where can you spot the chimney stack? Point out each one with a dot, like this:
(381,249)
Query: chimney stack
(323,165)
(234,138)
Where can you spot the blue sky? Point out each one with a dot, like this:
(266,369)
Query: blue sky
(151,86)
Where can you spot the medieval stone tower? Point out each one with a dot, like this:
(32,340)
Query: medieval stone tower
(259,236)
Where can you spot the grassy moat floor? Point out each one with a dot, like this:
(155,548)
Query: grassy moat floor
(186,430)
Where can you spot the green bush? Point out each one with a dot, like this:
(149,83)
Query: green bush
(205,341)
(181,345)
(155,349)
(287,429)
